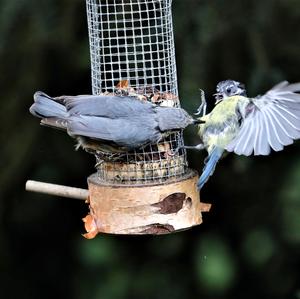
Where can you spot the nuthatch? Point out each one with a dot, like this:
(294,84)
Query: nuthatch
(248,125)
(109,123)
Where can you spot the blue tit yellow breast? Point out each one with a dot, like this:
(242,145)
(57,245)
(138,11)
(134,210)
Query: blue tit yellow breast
(221,124)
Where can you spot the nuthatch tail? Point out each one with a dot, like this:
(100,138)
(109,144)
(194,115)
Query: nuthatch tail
(248,125)
(109,123)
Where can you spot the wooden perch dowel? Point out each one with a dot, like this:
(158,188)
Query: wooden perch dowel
(137,209)
(57,190)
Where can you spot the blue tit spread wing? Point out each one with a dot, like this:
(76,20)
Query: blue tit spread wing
(269,121)
(106,106)
(123,131)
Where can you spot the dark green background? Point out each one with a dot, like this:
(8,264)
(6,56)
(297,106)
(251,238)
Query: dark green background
(248,245)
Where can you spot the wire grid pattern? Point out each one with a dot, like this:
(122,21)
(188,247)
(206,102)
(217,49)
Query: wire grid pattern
(133,40)
(157,162)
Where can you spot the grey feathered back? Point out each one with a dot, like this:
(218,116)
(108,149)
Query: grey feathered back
(106,106)
(125,121)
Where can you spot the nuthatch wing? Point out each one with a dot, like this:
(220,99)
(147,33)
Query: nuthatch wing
(109,123)
(248,125)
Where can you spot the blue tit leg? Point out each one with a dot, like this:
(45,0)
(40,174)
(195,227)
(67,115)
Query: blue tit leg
(202,108)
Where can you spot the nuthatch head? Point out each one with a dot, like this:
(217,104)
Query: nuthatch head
(229,88)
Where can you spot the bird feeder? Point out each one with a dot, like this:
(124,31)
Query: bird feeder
(149,190)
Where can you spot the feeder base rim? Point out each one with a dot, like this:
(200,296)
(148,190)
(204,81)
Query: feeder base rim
(94,179)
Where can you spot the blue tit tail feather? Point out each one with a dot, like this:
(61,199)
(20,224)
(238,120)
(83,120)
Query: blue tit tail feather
(210,166)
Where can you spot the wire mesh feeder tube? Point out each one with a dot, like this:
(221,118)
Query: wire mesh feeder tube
(133,54)
(132,41)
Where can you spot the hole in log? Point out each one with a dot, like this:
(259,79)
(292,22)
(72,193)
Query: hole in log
(158,229)
(172,203)
(189,202)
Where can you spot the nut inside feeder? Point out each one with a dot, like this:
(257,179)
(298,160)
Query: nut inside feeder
(149,190)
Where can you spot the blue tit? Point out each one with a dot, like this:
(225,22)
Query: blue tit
(109,123)
(246,125)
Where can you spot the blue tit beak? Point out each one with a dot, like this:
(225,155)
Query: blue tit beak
(219,97)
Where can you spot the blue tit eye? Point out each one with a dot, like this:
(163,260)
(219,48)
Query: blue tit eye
(228,89)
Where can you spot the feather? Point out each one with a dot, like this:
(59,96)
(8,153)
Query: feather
(274,122)
(210,166)
(53,114)
(124,132)
(272,138)
(107,106)
(247,147)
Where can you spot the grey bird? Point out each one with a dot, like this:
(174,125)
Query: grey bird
(109,123)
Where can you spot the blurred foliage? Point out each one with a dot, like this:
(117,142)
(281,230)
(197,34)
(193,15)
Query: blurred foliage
(248,245)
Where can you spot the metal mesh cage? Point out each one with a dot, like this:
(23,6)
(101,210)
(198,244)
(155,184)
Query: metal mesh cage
(132,41)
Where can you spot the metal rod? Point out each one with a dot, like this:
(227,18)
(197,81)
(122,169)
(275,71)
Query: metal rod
(57,190)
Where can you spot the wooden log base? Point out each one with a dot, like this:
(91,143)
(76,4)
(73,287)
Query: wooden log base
(143,209)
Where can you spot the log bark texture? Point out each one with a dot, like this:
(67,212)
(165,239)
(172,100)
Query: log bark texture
(144,209)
